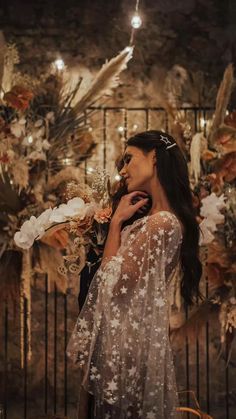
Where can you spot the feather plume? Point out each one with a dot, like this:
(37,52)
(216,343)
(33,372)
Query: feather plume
(106,80)
(222,100)
(2,56)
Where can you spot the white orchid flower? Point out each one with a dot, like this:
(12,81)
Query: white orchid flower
(28,232)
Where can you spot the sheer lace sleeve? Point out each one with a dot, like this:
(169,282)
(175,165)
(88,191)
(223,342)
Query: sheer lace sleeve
(121,337)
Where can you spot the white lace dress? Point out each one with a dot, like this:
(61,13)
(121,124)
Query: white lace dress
(121,338)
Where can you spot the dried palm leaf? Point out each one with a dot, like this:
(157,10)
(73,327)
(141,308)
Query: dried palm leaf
(2,56)
(50,259)
(106,80)
(222,100)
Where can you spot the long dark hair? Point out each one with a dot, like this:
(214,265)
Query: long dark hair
(172,172)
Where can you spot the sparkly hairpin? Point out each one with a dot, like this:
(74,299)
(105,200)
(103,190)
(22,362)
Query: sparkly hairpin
(167,142)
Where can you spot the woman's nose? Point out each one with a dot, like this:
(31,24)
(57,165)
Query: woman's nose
(122,172)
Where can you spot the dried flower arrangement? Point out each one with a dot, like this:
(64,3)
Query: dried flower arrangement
(211,154)
(43,128)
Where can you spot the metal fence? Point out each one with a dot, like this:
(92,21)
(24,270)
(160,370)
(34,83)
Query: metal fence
(46,384)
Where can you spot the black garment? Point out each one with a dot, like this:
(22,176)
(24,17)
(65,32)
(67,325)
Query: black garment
(87,274)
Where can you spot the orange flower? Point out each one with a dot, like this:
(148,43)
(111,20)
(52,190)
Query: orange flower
(103,216)
(4,158)
(18,98)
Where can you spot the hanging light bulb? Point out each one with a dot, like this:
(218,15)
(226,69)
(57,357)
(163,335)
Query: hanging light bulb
(136,21)
(59,64)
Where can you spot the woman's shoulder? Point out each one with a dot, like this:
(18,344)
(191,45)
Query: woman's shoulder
(164,219)
(161,219)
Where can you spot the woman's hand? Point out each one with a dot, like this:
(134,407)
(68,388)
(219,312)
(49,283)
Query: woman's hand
(126,208)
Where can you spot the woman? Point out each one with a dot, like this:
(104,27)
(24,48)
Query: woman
(121,339)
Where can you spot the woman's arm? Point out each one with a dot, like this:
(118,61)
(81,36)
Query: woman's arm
(113,239)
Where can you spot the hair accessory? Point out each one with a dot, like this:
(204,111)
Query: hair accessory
(167,142)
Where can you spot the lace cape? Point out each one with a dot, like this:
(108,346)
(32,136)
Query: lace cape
(121,338)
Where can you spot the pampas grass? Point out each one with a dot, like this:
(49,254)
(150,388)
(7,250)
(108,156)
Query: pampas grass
(222,100)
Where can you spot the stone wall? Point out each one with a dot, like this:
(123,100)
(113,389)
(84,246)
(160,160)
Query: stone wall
(196,34)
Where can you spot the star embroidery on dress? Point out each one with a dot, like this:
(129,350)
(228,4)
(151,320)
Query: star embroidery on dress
(160,302)
(123,290)
(112,386)
(135,325)
(83,323)
(115,323)
(132,371)
(142,292)
(152,270)
(146,276)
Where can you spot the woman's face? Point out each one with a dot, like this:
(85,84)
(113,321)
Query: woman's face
(138,169)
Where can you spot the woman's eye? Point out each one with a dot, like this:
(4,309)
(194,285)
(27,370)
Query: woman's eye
(127,160)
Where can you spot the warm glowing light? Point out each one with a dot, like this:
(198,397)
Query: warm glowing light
(59,64)
(90,170)
(202,123)
(30,139)
(136,21)
(67,162)
(135,127)
(117,177)
(120,129)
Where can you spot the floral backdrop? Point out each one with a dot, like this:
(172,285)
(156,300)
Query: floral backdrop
(51,215)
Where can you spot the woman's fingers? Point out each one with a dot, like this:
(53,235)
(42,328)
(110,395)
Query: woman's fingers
(136,193)
(140,203)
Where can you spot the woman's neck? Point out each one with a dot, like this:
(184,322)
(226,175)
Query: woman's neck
(159,199)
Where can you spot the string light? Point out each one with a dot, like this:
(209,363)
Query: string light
(121,129)
(59,64)
(67,162)
(30,139)
(136,22)
(117,177)
(90,170)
